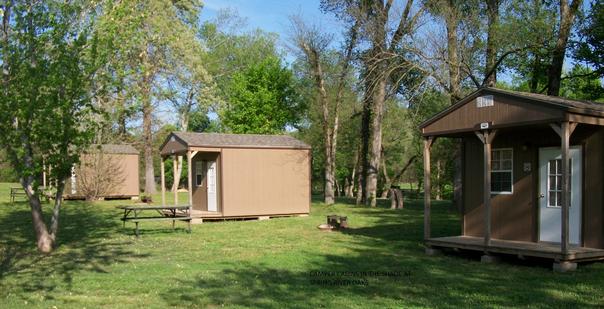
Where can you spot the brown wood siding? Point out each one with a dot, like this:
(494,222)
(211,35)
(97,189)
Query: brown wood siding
(593,196)
(172,147)
(513,214)
(505,111)
(200,193)
(265,181)
(515,217)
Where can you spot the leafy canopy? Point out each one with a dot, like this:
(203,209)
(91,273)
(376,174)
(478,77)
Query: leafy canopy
(262,99)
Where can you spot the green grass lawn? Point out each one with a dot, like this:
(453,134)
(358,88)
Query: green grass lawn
(267,264)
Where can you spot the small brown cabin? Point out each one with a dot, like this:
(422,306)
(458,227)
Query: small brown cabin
(533,176)
(111,170)
(242,175)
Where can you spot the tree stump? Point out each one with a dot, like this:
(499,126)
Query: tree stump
(396,198)
(344,222)
(333,220)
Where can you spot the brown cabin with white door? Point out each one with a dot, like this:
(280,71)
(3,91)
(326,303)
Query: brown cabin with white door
(518,196)
(243,175)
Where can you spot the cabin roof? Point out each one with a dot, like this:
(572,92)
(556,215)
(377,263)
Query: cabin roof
(116,148)
(193,139)
(568,105)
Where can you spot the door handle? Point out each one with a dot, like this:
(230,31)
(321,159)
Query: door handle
(541,195)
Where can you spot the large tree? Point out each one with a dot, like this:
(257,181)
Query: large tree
(155,43)
(46,108)
(568,11)
(313,45)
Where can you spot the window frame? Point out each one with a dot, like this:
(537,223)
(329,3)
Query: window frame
(570,177)
(199,168)
(511,171)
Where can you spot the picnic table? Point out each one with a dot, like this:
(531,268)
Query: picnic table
(133,213)
(16,191)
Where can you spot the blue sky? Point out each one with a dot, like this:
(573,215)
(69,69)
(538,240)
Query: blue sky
(272,15)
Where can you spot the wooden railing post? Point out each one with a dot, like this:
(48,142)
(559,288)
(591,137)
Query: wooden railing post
(487,137)
(175,189)
(427,185)
(163,181)
(190,176)
(565,130)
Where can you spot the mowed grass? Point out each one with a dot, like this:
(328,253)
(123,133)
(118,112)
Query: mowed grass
(267,264)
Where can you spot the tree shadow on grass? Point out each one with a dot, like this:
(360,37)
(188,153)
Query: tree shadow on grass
(84,244)
(391,243)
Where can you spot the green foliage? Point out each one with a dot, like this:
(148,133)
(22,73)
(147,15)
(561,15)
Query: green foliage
(47,112)
(262,99)
(582,84)
(590,49)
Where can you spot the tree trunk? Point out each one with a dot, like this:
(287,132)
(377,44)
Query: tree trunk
(451,21)
(364,160)
(184,126)
(438,186)
(388,182)
(378,98)
(567,16)
(148,140)
(44,241)
(491,52)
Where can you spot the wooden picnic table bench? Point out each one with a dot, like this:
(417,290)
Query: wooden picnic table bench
(16,191)
(132,213)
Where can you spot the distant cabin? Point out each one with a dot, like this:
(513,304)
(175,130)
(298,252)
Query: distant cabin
(243,175)
(110,169)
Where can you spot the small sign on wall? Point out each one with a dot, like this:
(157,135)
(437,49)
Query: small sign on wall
(526,167)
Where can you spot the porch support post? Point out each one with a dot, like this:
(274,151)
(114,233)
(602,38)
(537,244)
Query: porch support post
(175,189)
(487,137)
(163,181)
(565,129)
(427,186)
(190,177)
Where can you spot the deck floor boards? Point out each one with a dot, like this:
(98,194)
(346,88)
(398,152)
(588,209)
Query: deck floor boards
(534,249)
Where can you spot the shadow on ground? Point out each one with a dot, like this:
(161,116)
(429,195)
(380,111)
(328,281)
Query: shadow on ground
(387,268)
(84,244)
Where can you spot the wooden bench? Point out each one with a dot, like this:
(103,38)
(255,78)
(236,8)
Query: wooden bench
(16,191)
(166,213)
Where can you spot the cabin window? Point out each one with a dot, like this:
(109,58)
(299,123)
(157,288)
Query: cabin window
(554,182)
(502,164)
(485,101)
(198,173)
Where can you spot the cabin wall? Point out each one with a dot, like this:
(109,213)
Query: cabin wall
(265,181)
(126,180)
(593,193)
(505,111)
(515,216)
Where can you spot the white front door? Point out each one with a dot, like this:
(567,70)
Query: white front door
(212,198)
(550,189)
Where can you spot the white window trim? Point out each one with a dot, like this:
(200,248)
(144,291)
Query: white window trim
(547,204)
(511,172)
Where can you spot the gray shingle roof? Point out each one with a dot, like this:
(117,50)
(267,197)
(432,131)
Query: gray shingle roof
(239,140)
(116,148)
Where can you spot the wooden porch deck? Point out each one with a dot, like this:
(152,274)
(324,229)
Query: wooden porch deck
(205,214)
(519,248)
